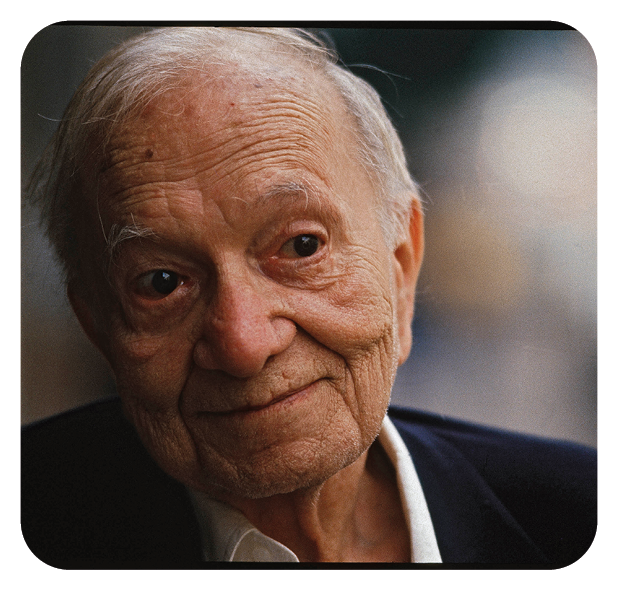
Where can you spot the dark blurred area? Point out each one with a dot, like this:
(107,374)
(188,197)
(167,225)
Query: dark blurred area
(499,126)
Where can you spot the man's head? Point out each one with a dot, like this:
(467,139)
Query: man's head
(248,242)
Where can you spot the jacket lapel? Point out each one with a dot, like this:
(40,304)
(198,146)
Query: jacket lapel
(471,524)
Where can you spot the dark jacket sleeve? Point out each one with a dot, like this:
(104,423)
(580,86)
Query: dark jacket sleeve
(93,498)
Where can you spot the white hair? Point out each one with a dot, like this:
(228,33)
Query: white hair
(139,69)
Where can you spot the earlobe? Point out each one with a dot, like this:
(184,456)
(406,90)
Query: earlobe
(408,257)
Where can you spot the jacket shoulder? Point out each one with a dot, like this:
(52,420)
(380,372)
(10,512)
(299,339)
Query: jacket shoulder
(93,497)
(547,486)
(476,441)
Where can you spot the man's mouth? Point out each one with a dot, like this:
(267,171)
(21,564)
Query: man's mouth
(283,398)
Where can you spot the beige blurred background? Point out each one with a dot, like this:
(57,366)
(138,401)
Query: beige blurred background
(500,130)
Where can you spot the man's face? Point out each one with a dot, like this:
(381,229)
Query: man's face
(254,334)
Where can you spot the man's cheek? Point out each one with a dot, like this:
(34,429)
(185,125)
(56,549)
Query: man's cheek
(352,320)
(137,350)
(164,434)
(154,367)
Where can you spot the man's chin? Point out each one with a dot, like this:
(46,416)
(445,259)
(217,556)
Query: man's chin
(255,489)
(271,479)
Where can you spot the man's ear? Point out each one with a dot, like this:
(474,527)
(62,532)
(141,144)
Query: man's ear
(408,257)
(86,318)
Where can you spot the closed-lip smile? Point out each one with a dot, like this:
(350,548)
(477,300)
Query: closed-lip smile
(276,400)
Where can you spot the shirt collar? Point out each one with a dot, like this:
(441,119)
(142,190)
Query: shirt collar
(227,535)
(422,535)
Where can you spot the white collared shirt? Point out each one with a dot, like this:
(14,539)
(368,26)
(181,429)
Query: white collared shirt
(227,535)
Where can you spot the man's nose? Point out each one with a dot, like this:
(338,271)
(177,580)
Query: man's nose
(244,327)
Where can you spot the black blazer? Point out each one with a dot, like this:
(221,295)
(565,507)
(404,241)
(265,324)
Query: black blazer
(93,498)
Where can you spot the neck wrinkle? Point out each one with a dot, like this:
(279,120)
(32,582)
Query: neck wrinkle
(318,523)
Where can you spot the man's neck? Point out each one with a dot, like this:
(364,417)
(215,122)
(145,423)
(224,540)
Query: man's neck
(355,516)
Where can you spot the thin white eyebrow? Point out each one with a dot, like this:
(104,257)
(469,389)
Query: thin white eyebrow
(336,210)
(118,234)
(121,233)
(290,189)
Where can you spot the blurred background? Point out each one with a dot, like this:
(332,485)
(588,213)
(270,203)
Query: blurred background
(500,130)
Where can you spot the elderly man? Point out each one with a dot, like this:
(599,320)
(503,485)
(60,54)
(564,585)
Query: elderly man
(242,240)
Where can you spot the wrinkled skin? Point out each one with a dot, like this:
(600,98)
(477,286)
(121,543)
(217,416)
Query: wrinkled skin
(264,371)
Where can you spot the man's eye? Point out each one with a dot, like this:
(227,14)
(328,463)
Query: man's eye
(303,245)
(158,283)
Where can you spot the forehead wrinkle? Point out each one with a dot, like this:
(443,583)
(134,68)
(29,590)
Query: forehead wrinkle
(256,142)
(245,128)
(249,140)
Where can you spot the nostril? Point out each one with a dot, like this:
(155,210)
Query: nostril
(244,349)
(245,325)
